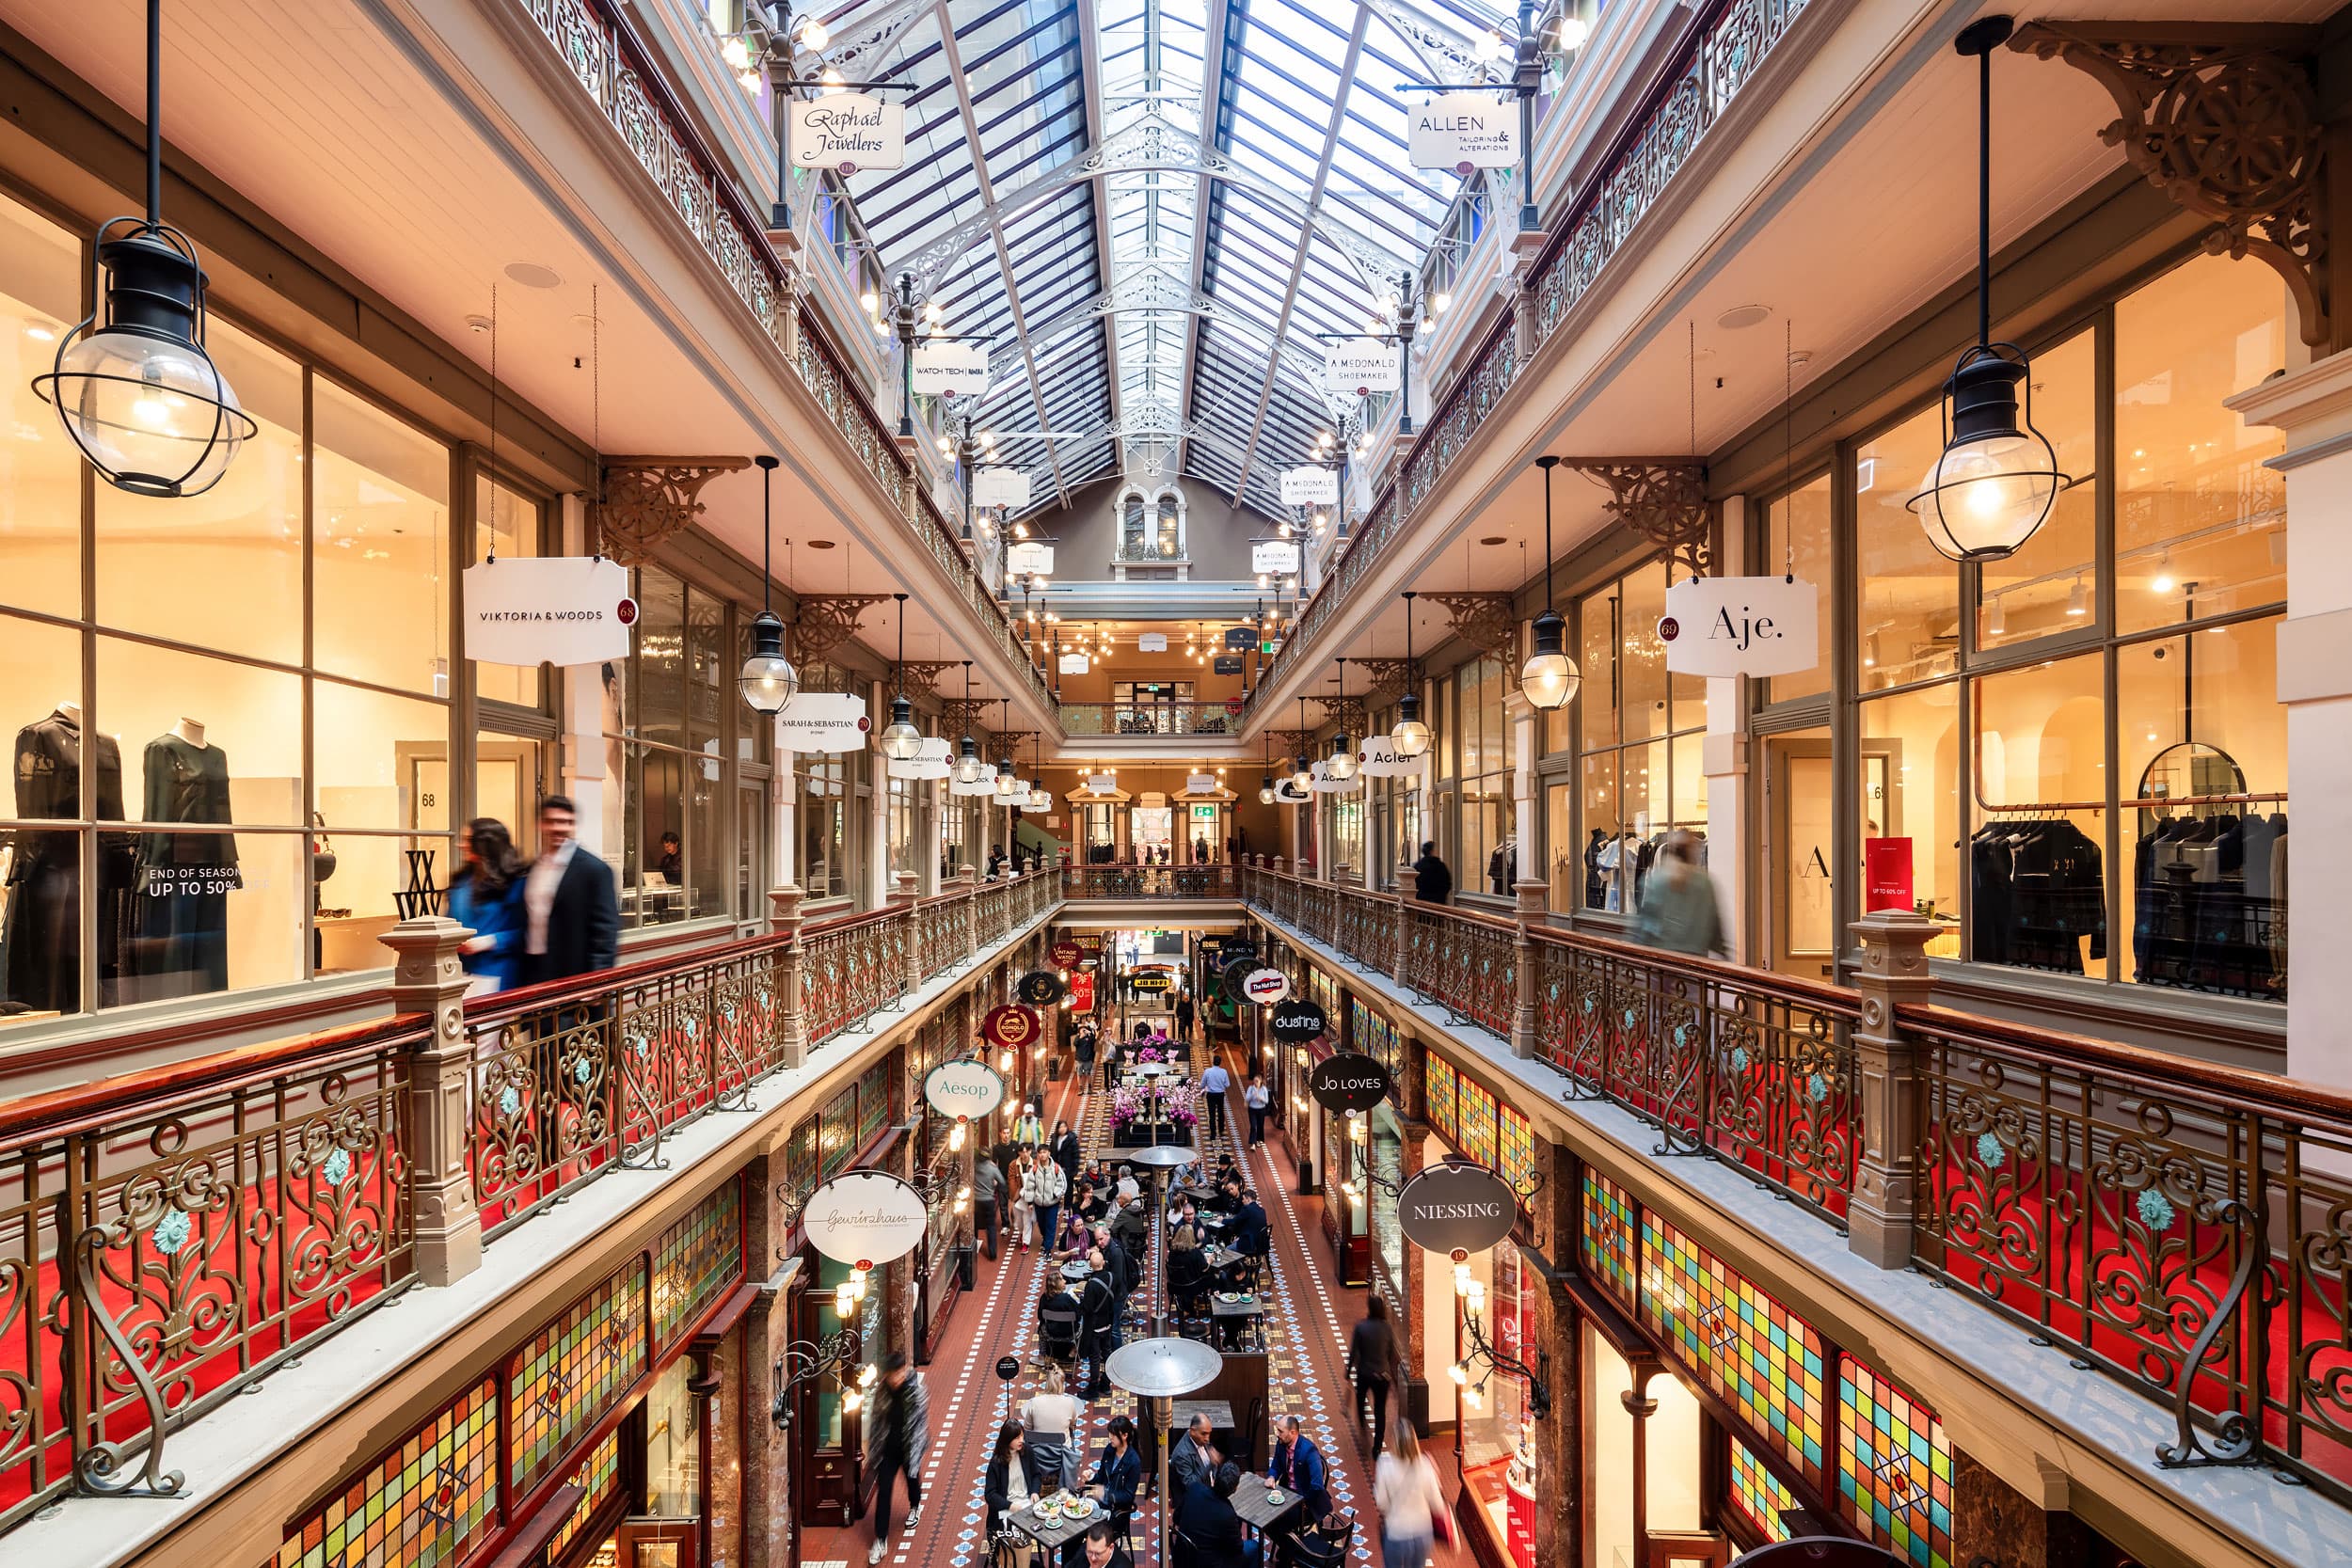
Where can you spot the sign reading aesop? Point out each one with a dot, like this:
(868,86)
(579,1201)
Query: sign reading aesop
(1297,1021)
(1347,1081)
(1040,987)
(866,1218)
(1010,1026)
(968,1089)
(1456,1208)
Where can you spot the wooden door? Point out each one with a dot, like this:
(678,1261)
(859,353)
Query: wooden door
(1678,1549)
(658,1543)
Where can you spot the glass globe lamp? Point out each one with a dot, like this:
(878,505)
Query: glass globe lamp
(1265,791)
(901,741)
(1993,487)
(1411,736)
(1342,760)
(1549,677)
(767,680)
(970,769)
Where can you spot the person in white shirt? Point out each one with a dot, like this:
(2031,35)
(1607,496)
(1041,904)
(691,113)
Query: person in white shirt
(1411,1503)
(1256,1097)
(571,916)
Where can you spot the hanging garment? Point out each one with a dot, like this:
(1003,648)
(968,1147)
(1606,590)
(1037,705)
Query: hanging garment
(1606,859)
(1595,894)
(180,927)
(1991,901)
(44,921)
(2059,895)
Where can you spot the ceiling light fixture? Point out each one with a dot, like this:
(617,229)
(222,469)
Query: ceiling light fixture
(1341,763)
(767,680)
(1411,736)
(1994,483)
(901,742)
(1549,677)
(970,768)
(1303,777)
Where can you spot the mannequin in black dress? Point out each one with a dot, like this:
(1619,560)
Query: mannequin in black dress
(43,925)
(181,922)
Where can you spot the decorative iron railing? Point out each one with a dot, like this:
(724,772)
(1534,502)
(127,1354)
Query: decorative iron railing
(1122,881)
(1151,719)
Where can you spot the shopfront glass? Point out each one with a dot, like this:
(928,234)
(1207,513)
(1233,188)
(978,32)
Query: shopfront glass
(1495,1439)
(1487,846)
(673,1478)
(1642,772)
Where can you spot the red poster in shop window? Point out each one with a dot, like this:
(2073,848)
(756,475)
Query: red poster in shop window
(1887,874)
(1082,992)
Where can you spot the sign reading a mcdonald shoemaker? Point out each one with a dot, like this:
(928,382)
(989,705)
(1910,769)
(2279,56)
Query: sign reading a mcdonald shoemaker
(1457,1208)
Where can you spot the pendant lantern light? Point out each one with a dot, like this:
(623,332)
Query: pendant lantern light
(901,742)
(1265,784)
(970,768)
(1411,736)
(132,382)
(767,680)
(1303,781)
(1005,778)
(1342,760)
(1994,481)
(1549,677)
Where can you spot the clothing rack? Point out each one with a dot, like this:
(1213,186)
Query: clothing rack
(2149,803)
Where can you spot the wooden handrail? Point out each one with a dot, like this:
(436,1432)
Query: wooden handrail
(1814,993)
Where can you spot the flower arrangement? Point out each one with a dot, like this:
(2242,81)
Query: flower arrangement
(1170,1106)
(1153,1051)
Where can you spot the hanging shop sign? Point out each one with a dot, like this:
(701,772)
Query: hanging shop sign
(1324,783)
(1008,1368)
(1740,626)
(1029,558)
(1073,664)
(550,609)
(1102,783)
(1201,783)
(1274,557)
(1082,992)
(950,367)
(1040,987)
(1236,951)
(930,762)
(1265,986)
(984,787)
(1346,1082)
(1310,487)
(1065,954)
(1378,758)
(822,722)
(1225,664)
(865,1218)
(1151,800)
(1240,640)
(1288,793)
(1457,1208)
(1298,1019)
(847,131)
(966,1089)
(1010,1026)
(1153,980)
(1465,132)
(1357,367)
(1152,642)
(1007,487)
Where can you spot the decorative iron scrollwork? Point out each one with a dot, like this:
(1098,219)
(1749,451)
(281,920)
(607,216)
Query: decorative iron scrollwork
(1387,679)
(646,499)
(827,621)
(1490,621)
(101,1468)
(1662,498)
(2235,1439)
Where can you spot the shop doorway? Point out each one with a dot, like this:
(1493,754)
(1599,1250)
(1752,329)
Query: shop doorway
(1800,846)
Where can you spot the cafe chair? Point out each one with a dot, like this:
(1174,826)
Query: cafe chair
(1058,1336)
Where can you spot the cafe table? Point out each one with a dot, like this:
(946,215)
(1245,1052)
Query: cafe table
(1054,1530)
(1255,1502)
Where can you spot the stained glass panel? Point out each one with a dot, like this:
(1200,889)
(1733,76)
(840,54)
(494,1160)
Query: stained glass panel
(1609,1244)
(1894,1468)
(598,1477)
(1759,1493)
(1515,1151)
(569,1377)
(696,1260)
(1440,1082)
(1477,1119)
(1759,1357)
(428,1502)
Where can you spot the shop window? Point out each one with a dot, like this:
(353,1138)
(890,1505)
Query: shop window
(1642,774)
(41,275)
(903,815)
(506,525)
(823,817)
(2200,522)
(1797,539)
(1565,872)
(2038,856)
(1908,617)
(2049,587)
(1487,847)
(1347,831)
(1910,817)
(379,545)
(673,1478)
(1496,1438)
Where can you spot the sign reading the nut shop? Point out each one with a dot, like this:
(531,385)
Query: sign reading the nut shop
(865,1218)
(1011,1026)
(1457,1208)
(1347,1081)
(1265,986)
(967,1090)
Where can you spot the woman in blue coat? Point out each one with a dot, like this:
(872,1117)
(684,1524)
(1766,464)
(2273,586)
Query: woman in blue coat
(486,895)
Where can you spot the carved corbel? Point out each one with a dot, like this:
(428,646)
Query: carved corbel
(646,499)
(922,675)
(961,716)
(1662,498)
(1346,712)
(1386,679)
(827,621)
(2224,119)
(1487,621)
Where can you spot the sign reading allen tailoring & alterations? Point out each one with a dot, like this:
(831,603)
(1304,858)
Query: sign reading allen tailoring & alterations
(1465,131)
(1457,1208)
(1740,626)
(847,130)
(547,610)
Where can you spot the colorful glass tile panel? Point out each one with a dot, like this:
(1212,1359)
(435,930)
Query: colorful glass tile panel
(1610,1248)
(1758,1356)
(873,1103)
(1515,1151)
(800,1157)
(696,1260)
(1440,1081)
(1759,1492)
(1894,1468)
(429,1501)
(569,1377)
(836,1133)
(598,1477)
(1477,1119)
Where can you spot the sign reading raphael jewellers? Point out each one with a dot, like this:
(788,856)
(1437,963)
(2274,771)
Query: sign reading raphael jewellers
(547,610)
(847,130)
(1740,626)
(1457,1208)
(1347,1081)
(865,1218)
(967,1090)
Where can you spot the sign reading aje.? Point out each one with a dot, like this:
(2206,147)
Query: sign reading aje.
(1040,987)
(1297,1021)
(967,1090)
(865,1218)
(847,130)
(1457,1208)
(1740,626)
(1347,1081)
(1011,1026)
(547,610)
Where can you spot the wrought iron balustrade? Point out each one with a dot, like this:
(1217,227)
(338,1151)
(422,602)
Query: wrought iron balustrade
(1145,719)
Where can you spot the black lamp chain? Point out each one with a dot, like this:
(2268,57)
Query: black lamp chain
(1789,446)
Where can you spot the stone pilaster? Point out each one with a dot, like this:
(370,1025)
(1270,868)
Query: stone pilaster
(1894,973)
(784,920)
(1526,1032)
(427,978)
(1994,1523)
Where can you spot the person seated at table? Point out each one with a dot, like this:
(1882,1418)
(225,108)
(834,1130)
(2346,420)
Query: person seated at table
(1009,1485)
(1249,1239)
(1059,1319)
(1297,1466)
(1187,1274)
(1208,1531)
(1117,1473)
(1095,1207)
(1049,1424)
(1098,1307)
(1128,1188)
(1227,1199)
(1185,1215)
(1100,1548)
(1194,1458)
(1131,1227)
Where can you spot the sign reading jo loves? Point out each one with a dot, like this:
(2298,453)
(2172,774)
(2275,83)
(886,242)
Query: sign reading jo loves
(1740,626)
(968,1089)
(865,1218)
(1347,1081)
(1457,1208)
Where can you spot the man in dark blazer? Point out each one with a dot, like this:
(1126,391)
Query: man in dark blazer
(571,916)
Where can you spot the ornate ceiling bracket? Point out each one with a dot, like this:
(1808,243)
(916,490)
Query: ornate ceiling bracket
(1487,621)
(922,675)
(961,715)
(1291,743)
(1662,498)
(827,621)
(2225,120)
(1386,679)
(646,499)
(1346,712)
